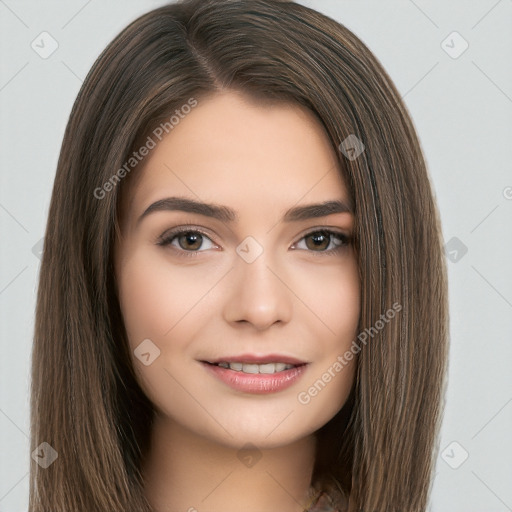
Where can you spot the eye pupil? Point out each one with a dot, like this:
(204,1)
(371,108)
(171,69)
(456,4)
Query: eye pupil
(195,240)
(318,238)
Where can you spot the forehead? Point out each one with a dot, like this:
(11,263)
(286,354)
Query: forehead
(232,150)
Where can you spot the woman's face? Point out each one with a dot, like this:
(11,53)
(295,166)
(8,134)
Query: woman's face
(253,280)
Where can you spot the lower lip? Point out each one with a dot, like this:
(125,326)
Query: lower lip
(259,383)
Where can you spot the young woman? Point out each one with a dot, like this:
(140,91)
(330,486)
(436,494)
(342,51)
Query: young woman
(242,301)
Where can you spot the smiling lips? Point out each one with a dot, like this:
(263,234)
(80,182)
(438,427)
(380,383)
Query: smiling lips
(257,374)
(264,364)
(266,368)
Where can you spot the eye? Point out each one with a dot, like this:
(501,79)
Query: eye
(321,239)
(186,240)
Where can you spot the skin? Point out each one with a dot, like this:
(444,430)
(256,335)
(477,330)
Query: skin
(294,299)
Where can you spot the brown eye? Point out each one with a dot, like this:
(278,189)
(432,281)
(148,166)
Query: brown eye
(319,241)
(186,240)
(190,240)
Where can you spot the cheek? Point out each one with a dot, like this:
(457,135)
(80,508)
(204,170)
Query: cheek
(336,301)
(145,293)
(341,308)
(162,304)
(155,296)
(333,294)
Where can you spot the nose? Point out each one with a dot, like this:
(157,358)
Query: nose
(257,294)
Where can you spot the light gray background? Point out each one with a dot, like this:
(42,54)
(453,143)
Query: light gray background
(462,109)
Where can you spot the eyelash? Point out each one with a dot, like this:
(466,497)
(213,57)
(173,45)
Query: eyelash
(168,237)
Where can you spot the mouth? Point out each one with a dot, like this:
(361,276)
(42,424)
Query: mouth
(254,368)
(257,363)
(257,374)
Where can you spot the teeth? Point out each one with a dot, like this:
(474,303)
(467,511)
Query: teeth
(267,368)
(251,368)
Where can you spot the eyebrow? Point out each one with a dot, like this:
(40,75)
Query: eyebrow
(228,215)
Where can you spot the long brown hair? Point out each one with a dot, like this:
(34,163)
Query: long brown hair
(379,451)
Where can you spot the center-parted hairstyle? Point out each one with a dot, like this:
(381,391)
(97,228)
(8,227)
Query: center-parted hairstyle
(379,451)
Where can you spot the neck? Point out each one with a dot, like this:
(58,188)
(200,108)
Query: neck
(188,472)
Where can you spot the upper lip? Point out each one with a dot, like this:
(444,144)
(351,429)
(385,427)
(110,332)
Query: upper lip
(257,359)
